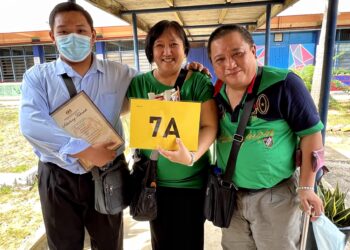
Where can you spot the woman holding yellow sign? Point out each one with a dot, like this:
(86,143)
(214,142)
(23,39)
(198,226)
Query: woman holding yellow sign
(181,174)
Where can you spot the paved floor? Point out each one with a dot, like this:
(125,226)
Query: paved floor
(137,235)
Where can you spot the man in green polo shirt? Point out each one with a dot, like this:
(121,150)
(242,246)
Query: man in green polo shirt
(284,117)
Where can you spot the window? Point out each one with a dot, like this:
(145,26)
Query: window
(278,37)
(4,51)
(344,35)
(14,61)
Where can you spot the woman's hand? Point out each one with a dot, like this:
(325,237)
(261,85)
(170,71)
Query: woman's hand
(182,155)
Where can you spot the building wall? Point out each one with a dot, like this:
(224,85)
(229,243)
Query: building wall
(287,50)
(296,49)
(14,61)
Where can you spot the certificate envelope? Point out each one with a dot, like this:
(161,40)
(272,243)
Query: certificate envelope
(82,119)
(155,123)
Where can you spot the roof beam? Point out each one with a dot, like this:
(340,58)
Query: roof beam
(274,11)
(213,25)
(181,22)
(170,3)
(201,35)
(223,13)
(251,28)
(201,7)
(115,8)
(199,41)
(178,16)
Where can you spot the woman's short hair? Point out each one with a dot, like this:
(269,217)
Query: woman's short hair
(66,7)
(226,29)
(157,30)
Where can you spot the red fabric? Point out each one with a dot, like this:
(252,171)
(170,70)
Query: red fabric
(251,85)
(218,85)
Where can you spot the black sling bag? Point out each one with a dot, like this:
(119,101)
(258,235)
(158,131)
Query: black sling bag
(220,196)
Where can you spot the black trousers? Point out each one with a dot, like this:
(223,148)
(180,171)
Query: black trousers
(180,220)
(67,202)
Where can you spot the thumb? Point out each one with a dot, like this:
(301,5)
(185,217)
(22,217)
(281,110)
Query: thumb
(107,144)
(180,143)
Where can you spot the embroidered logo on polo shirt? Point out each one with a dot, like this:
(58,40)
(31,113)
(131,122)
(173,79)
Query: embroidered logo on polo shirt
(268,141)
(262,104)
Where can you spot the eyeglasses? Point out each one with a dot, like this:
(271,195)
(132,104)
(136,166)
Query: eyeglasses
(235,56)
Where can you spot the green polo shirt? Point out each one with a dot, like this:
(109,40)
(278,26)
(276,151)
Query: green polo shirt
(283,111)
(197,88)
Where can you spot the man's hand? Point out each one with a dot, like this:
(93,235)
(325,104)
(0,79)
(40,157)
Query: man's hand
(98,154)
(310,203)
(196,66)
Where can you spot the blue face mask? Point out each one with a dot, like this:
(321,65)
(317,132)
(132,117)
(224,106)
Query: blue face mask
(74,47)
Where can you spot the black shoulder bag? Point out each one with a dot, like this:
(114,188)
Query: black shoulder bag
(112,182)
(220,196)
(143,206)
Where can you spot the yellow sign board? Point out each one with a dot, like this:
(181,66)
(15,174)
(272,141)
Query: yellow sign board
(156,124)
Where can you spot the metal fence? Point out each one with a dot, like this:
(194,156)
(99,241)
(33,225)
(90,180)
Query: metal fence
(14,61)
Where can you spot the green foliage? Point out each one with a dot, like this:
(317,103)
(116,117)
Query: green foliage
(306,73)
(341,72)
(5,190)
(17,169)
(16,152)
(343,107)
(334,205)
(338,113)
(340,86)
(20,215)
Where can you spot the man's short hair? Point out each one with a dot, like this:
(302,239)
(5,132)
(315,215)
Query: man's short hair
(157,30)
(66,7)
(226,29)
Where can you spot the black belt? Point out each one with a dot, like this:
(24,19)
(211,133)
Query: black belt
(249,190)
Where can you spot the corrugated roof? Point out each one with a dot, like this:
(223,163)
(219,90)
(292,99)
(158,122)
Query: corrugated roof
(198,17)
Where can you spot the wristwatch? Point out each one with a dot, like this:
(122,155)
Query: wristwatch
(192,159)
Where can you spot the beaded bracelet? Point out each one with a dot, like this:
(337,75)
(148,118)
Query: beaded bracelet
(304,188)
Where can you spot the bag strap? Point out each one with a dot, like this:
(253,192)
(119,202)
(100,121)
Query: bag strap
(150,179)
(180,79)
(70,85)
(95,174)
(238,137)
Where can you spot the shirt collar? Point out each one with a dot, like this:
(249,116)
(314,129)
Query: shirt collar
(251,85)
(62,67)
